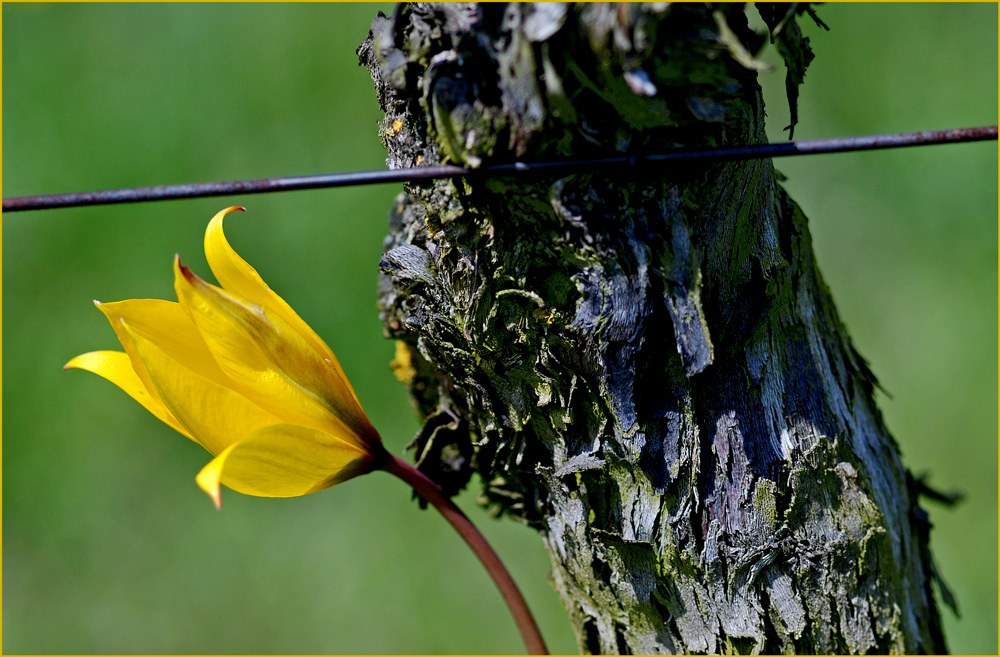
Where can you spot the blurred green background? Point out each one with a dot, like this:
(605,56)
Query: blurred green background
(108,545)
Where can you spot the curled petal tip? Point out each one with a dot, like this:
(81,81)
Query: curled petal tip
(183,270)
(97,303)
(209,480)
(213,490)
(233,208)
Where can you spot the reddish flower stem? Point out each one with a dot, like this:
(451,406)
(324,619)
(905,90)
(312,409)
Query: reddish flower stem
(508,589)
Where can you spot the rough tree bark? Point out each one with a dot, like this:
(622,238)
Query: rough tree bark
(645,366)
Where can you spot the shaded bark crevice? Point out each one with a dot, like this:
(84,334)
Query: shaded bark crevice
(643,365)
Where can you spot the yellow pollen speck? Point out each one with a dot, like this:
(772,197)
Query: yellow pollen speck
(420,158)
(548,316)
(401,365)
(397,125)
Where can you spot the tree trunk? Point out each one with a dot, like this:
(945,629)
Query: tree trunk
(643,365)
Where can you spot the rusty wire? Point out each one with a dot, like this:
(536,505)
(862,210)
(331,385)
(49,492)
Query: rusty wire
(551,168)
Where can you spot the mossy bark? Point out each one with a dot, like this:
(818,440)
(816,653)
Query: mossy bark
(643,365)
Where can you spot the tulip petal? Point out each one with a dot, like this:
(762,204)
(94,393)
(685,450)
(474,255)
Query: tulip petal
(237,277)
(214,414)
(270,363)
(283,460)
(116,367)
(169,327)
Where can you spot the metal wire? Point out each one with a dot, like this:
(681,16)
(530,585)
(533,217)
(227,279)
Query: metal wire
(560,167)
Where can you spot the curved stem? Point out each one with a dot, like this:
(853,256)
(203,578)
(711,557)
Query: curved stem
(508,589)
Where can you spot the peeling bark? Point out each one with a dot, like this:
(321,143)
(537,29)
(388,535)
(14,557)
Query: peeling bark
(645,366)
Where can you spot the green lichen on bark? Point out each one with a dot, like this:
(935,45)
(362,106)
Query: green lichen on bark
(645,366)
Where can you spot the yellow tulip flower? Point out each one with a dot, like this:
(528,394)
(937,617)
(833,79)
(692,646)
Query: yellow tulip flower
(235,369)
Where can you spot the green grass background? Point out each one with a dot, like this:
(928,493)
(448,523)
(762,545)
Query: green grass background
(108,545)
